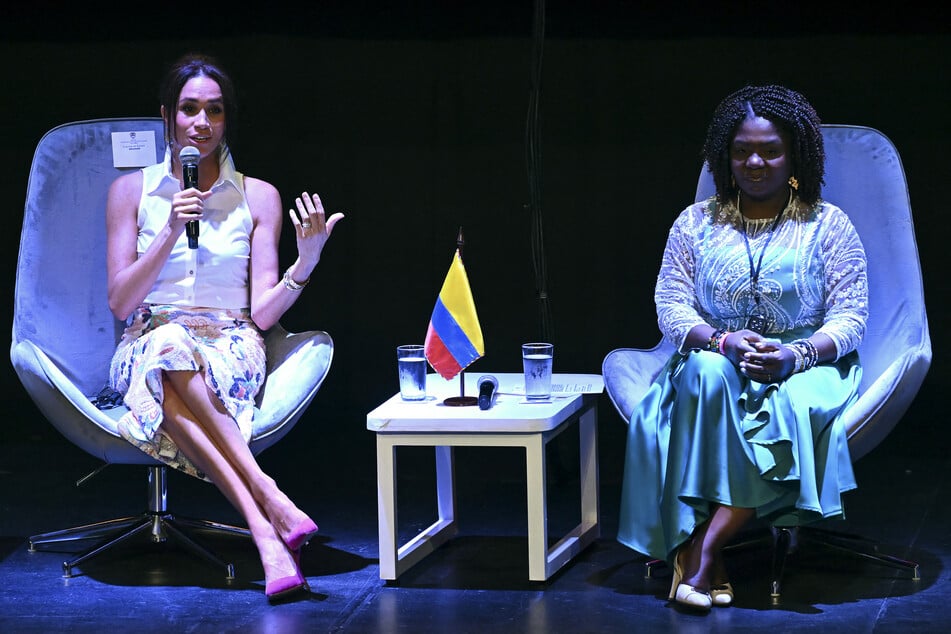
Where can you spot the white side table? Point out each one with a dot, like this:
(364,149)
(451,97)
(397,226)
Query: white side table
(511,422)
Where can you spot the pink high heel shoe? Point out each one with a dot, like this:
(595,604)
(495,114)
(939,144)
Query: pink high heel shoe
(284,588)
(302,533)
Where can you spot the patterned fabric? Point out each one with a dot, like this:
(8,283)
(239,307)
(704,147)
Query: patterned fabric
(224,344)
(704,434)
(812,277)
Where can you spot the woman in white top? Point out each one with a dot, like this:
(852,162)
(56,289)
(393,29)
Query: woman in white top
(192,357)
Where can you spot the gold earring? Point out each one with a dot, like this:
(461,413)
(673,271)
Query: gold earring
(793,182)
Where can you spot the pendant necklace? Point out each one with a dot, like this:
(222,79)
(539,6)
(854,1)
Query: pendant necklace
(757,322)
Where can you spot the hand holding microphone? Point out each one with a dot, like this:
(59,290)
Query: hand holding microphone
(488,390)
(189,156)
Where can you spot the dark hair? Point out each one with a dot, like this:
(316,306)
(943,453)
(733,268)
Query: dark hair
(196,65)
(785,108)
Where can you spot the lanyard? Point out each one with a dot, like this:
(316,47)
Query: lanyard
(754,270)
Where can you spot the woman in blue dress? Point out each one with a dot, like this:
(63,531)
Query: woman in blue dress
(763,290)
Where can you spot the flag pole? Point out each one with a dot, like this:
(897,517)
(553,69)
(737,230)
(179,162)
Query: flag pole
(462,399)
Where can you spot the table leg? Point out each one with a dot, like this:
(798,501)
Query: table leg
(394,559)
(537,495)
(590,528)
(543,561)
(386,505)
(445,484)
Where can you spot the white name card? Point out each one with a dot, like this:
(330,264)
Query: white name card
(135,148)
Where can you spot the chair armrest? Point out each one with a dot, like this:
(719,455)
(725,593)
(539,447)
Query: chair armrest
(69,410)
(628,372)
(297,364)
(882,404)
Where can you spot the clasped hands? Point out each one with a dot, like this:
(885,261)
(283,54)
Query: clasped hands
(760,358)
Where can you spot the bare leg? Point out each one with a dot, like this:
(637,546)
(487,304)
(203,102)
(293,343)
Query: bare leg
(222,456)
(703,562)
(209,415)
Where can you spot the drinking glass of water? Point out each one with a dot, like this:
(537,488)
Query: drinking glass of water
(411,361)
(536,362)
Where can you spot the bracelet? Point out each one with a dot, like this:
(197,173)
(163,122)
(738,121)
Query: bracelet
(291,285)
(809,352)
(713,345)
(800,363)
(721,347)
(717,341)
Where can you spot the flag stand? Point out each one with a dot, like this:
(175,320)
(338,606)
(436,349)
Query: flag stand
(462,400)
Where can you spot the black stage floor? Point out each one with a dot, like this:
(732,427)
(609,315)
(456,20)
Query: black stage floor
(477,582)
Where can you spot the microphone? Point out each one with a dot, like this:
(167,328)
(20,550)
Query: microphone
(189,157)
(488,388)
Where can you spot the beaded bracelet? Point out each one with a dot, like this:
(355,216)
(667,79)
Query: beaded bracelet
(800,364)
(713,345)
(809,352)
(718,341)
(721,346)
(291,285)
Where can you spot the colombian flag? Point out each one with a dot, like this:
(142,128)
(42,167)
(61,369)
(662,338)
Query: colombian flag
(454,337)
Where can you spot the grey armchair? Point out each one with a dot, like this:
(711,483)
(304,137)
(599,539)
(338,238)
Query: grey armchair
(865,177)
(64,334)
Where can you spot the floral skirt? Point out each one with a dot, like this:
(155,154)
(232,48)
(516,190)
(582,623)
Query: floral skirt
(224,345)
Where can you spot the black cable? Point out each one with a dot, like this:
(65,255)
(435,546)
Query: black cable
(533,159)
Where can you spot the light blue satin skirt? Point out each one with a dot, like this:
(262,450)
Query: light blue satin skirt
(704,434)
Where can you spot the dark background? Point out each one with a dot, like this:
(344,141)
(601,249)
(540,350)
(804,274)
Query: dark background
(412,119)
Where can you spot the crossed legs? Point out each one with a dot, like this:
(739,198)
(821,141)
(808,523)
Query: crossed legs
(195,420)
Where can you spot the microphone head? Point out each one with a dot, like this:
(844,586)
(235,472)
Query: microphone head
(488,386)
(189,155)
(490,379)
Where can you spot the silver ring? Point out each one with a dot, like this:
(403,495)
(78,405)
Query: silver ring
(305,225)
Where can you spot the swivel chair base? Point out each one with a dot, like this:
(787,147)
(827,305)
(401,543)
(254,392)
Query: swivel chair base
(160,523)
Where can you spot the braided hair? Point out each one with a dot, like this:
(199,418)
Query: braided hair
(785,108)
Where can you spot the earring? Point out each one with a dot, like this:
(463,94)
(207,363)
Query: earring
(793,182)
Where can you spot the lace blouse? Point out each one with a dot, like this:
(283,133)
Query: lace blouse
(811,273)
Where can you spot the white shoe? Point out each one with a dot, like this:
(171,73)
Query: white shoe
(685,595)
(722,595)
(690,597)
(677,575)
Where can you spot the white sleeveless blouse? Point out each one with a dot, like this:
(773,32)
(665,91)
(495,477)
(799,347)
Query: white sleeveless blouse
(215,275)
